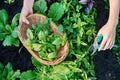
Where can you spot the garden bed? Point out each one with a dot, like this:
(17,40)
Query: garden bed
(106,65)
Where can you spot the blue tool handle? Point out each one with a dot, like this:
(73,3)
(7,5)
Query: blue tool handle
(99,38)
(115,46)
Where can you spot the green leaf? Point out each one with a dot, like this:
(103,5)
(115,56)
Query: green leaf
(9,67)
(2,27)
(34,26)
(61,69)
(13,75)
(57,41)
(83,43)
(56,11)
(2,36)
(60,28)
(28,75)
(1,66)
(8,41)
(36,63)
(43,55)
(40,6)
(9,1)
(7,73)
(36,46)
(29,34)
(52,55)
(8,28)
(16,42)
(15,20)
(6,70)
(41,35)
(29,43)
(3,16)
(15,32)
(58,77)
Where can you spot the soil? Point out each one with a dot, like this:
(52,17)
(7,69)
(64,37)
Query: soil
(106,65)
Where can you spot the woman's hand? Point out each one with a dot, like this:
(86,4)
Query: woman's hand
(26,10)
(109,32)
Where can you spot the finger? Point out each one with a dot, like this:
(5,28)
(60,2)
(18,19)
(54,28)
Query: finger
(25,20)
(107,45)
(102,44)
(112,44)
(113,41)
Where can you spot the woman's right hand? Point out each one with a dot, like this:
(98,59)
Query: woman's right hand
(26,10)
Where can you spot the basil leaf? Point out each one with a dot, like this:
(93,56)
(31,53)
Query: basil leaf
(15,32)
(29,34)
(2,27)
(8,41)
(15,20)
(36,47)
(56,11)
(41,35)
(3,16)
(28,74)
(8,28)
(60,28)
(52,55)
(40,6)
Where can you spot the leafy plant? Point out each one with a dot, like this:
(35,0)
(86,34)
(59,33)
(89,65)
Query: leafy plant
(47,44)
(64,71)
(9,1)
(7,73)
(107,4)
(80,31)
(55,12)
(28,75)
(40,6)
(8,32)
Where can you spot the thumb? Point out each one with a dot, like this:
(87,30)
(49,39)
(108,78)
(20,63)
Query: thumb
(97,36)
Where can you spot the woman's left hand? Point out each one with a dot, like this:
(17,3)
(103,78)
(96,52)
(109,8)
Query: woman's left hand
(109,32)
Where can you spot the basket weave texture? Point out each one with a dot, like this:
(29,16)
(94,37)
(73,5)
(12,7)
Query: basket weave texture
(35,19)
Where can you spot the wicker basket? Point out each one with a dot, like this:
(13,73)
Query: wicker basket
(35,19)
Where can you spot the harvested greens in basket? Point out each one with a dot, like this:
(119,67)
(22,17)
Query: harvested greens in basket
(43,41)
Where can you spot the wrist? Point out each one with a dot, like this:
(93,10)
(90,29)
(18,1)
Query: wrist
(28,5)
(113,23)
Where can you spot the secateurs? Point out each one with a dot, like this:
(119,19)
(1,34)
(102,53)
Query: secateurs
(96,45)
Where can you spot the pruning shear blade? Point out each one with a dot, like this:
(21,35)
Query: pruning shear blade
(93,48)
